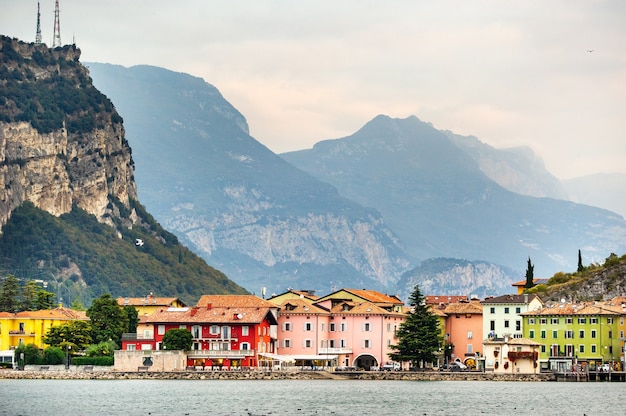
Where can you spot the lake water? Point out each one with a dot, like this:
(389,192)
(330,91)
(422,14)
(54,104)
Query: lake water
(309,397)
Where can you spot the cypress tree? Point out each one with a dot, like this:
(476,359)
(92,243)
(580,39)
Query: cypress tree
(529,275)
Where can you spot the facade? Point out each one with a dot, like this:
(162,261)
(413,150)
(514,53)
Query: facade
(228,331)
(502,314)
(511,355)
(149,304)
(348,328)
(464,330)
(29,327)
(577,334)
(521,285)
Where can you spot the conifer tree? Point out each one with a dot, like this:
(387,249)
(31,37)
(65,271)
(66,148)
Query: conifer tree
(580,262)
(419,336)
(9,294)
(530,275)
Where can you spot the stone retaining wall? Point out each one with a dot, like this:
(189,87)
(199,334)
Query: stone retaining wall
(269,375)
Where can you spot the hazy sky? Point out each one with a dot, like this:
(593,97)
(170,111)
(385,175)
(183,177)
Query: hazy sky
(508,72)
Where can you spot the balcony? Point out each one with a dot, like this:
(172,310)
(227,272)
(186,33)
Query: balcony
(131,336)
(16,333)
(235,354)
(334,351)
(522,355)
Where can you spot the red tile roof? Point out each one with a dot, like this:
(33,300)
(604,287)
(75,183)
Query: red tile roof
(234,301)
(204,315)
(148,301)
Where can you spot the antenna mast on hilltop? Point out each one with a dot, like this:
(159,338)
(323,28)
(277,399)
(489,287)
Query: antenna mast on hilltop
(38,35)
(56,40)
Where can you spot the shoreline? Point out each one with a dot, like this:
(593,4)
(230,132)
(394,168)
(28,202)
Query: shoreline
(270,375)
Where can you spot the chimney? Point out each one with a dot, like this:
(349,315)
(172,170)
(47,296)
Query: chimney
(194,311)
(209,306)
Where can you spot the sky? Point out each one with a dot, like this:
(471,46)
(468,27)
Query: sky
(548,74)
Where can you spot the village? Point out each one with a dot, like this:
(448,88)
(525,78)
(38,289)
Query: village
(353,330)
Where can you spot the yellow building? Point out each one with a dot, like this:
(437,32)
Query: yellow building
(29,327)
(146,306)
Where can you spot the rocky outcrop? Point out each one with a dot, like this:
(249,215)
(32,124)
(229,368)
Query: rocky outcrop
(54,151)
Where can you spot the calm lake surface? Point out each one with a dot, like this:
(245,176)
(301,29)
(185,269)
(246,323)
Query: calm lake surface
(309,397)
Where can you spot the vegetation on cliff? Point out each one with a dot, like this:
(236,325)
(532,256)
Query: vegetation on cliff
(595,282)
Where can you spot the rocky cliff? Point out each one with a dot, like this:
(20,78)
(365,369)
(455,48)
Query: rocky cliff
(59,146)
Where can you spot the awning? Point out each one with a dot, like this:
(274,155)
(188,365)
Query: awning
(293,358)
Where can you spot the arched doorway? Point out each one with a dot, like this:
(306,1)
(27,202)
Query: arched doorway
(366,362)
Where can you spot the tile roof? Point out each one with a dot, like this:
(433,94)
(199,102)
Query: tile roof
(374,296)
(589,308)
(538,281)
(360,308)
(248,301)
(509,299)
(301,306)
(464,307)
(512,341)
(147,301)
(217,315)
(445,299)
(57,314)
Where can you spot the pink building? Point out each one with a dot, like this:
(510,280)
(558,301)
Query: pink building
(464,330)
(351,328)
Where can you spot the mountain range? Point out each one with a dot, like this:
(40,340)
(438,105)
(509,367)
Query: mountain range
(365,210)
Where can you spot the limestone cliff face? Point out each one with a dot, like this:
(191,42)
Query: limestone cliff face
(61,141)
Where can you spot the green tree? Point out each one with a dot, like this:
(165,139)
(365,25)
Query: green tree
(177,339)
(133,318)
(32,354)
(106,348)
(53,355)
(9,291)
(530,275)
(419,336)
(45,299)
(29,296)
(75,335)
(108,319)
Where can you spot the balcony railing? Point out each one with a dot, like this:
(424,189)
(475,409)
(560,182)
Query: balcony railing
(22,333)
(339,350)
(220,353)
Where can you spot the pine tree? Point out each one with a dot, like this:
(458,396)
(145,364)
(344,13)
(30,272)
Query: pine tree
(9,294)
(530,275)
(419,336)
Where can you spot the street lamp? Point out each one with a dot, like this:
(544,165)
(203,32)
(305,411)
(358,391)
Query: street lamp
(67,356)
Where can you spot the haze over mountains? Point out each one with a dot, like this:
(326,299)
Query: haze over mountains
(371,206)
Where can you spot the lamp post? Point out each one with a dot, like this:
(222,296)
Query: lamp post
(67,356)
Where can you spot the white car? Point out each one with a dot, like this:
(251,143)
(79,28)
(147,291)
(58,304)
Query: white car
(604,368)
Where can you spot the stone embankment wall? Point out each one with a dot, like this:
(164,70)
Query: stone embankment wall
(99,374)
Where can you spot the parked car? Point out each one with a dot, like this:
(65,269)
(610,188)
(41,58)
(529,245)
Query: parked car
(391,367)
(457,366)
(604,368)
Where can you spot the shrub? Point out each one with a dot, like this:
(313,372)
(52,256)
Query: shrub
(54,355)
(107,361)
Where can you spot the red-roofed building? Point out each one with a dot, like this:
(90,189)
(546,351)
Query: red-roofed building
(227,330)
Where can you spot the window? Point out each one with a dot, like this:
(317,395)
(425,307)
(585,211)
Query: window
(506,310)
(581,334)
(130,347)
(21,326)
(609,320)
(343,327)
(342,343)
(287,326)
(389,326)
(331,343)
(492,310)
(543,334)
(469,335)
(226,332)
(554,321)
(506,324)
(470,349)
(518,325)
(593,321)
(593,333)
(543,321)
(182,326)
(245,331)
(196,331)
(531,321)
(214,330)
(367,343)
(492,325)
(610,334)
(245,346)
(569,334)
(518,310)
(331,327)
(308,326)
(582,320)
(581,348)
(161,329)
(367,327)
(307,343)
(555,334)
(543,348)
(593,348)
(569,321)
(322,327)
(531,334)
